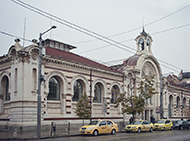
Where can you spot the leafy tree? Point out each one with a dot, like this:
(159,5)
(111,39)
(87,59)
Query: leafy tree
(136,103)
(83,108)
(186,113)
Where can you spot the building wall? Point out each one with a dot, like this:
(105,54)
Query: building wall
(20,68)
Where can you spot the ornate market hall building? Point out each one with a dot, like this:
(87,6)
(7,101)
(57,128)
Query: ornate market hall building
(69,75)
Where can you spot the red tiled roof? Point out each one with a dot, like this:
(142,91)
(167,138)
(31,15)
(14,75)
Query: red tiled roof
(69,56)
(181,85)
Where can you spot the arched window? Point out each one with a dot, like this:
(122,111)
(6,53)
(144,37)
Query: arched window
(16,79)
(5,86)
(150,100)
(178,102)
(184,103)
(34,78)
(7,96)
(54,89)
(114,92)
(97,93)
(78,90)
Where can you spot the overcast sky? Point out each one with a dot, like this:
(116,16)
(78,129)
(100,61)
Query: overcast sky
(167,22)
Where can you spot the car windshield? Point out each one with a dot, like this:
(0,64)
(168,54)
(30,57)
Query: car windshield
(93,122)
(136,123)
(179,122)
(160,121)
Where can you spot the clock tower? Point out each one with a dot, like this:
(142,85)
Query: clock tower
(144,42)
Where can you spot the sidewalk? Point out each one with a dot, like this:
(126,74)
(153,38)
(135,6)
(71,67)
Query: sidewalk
(8,135)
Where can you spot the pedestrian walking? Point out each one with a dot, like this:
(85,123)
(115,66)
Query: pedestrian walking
(131,120)
(53,129)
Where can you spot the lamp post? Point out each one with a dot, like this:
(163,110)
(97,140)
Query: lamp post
(161,98)
(40,79)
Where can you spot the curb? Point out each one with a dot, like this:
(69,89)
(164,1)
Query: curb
(72,135)
(48,137)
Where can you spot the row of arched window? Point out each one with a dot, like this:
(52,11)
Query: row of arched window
(54,91)
(184,103)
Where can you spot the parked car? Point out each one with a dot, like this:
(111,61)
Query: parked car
(163,124)
(139,125)
(99,127)
(181,124)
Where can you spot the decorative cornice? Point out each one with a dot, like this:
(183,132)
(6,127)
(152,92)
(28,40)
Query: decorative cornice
(68,63)
(5,59)
(23,56)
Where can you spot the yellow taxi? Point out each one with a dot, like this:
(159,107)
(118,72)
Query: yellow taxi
(96,127)
(139,125)
(163,124)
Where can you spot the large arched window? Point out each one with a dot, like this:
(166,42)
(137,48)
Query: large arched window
(54,89)
(114,92)
(150,100)
(34,78)
(184,102)
(78,90)
(7,96)
(97,93)
(178,102)
(5,85)
(16,79)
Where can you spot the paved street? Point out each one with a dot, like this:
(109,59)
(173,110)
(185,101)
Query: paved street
(175,135)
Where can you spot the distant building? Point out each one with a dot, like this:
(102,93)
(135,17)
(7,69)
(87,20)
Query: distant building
(68,75)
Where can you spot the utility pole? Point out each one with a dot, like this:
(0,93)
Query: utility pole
(40,79)
(161,98)
(90,95)
(182,105)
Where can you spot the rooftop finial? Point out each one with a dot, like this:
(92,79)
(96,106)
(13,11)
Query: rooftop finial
(143,22)
(143,32)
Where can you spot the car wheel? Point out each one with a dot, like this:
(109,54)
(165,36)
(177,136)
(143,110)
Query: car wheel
(171,128)
(181,127)
(113,132)
(151,129)
(139,130)
(164,129)
(95,133)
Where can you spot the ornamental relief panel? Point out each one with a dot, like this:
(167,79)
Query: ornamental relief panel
(34,56)
(146,71)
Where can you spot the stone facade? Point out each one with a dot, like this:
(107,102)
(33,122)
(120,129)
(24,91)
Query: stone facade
(67,75)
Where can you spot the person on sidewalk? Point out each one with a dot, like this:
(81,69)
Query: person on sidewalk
(53,129)
(131,120)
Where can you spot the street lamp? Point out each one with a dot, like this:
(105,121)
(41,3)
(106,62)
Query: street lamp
(40,79)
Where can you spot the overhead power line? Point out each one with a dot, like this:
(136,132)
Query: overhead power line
(155,21)
(158,32)
(75,27)
(8,34)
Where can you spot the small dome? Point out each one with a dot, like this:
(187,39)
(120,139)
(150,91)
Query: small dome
(144,33)
(132,61)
